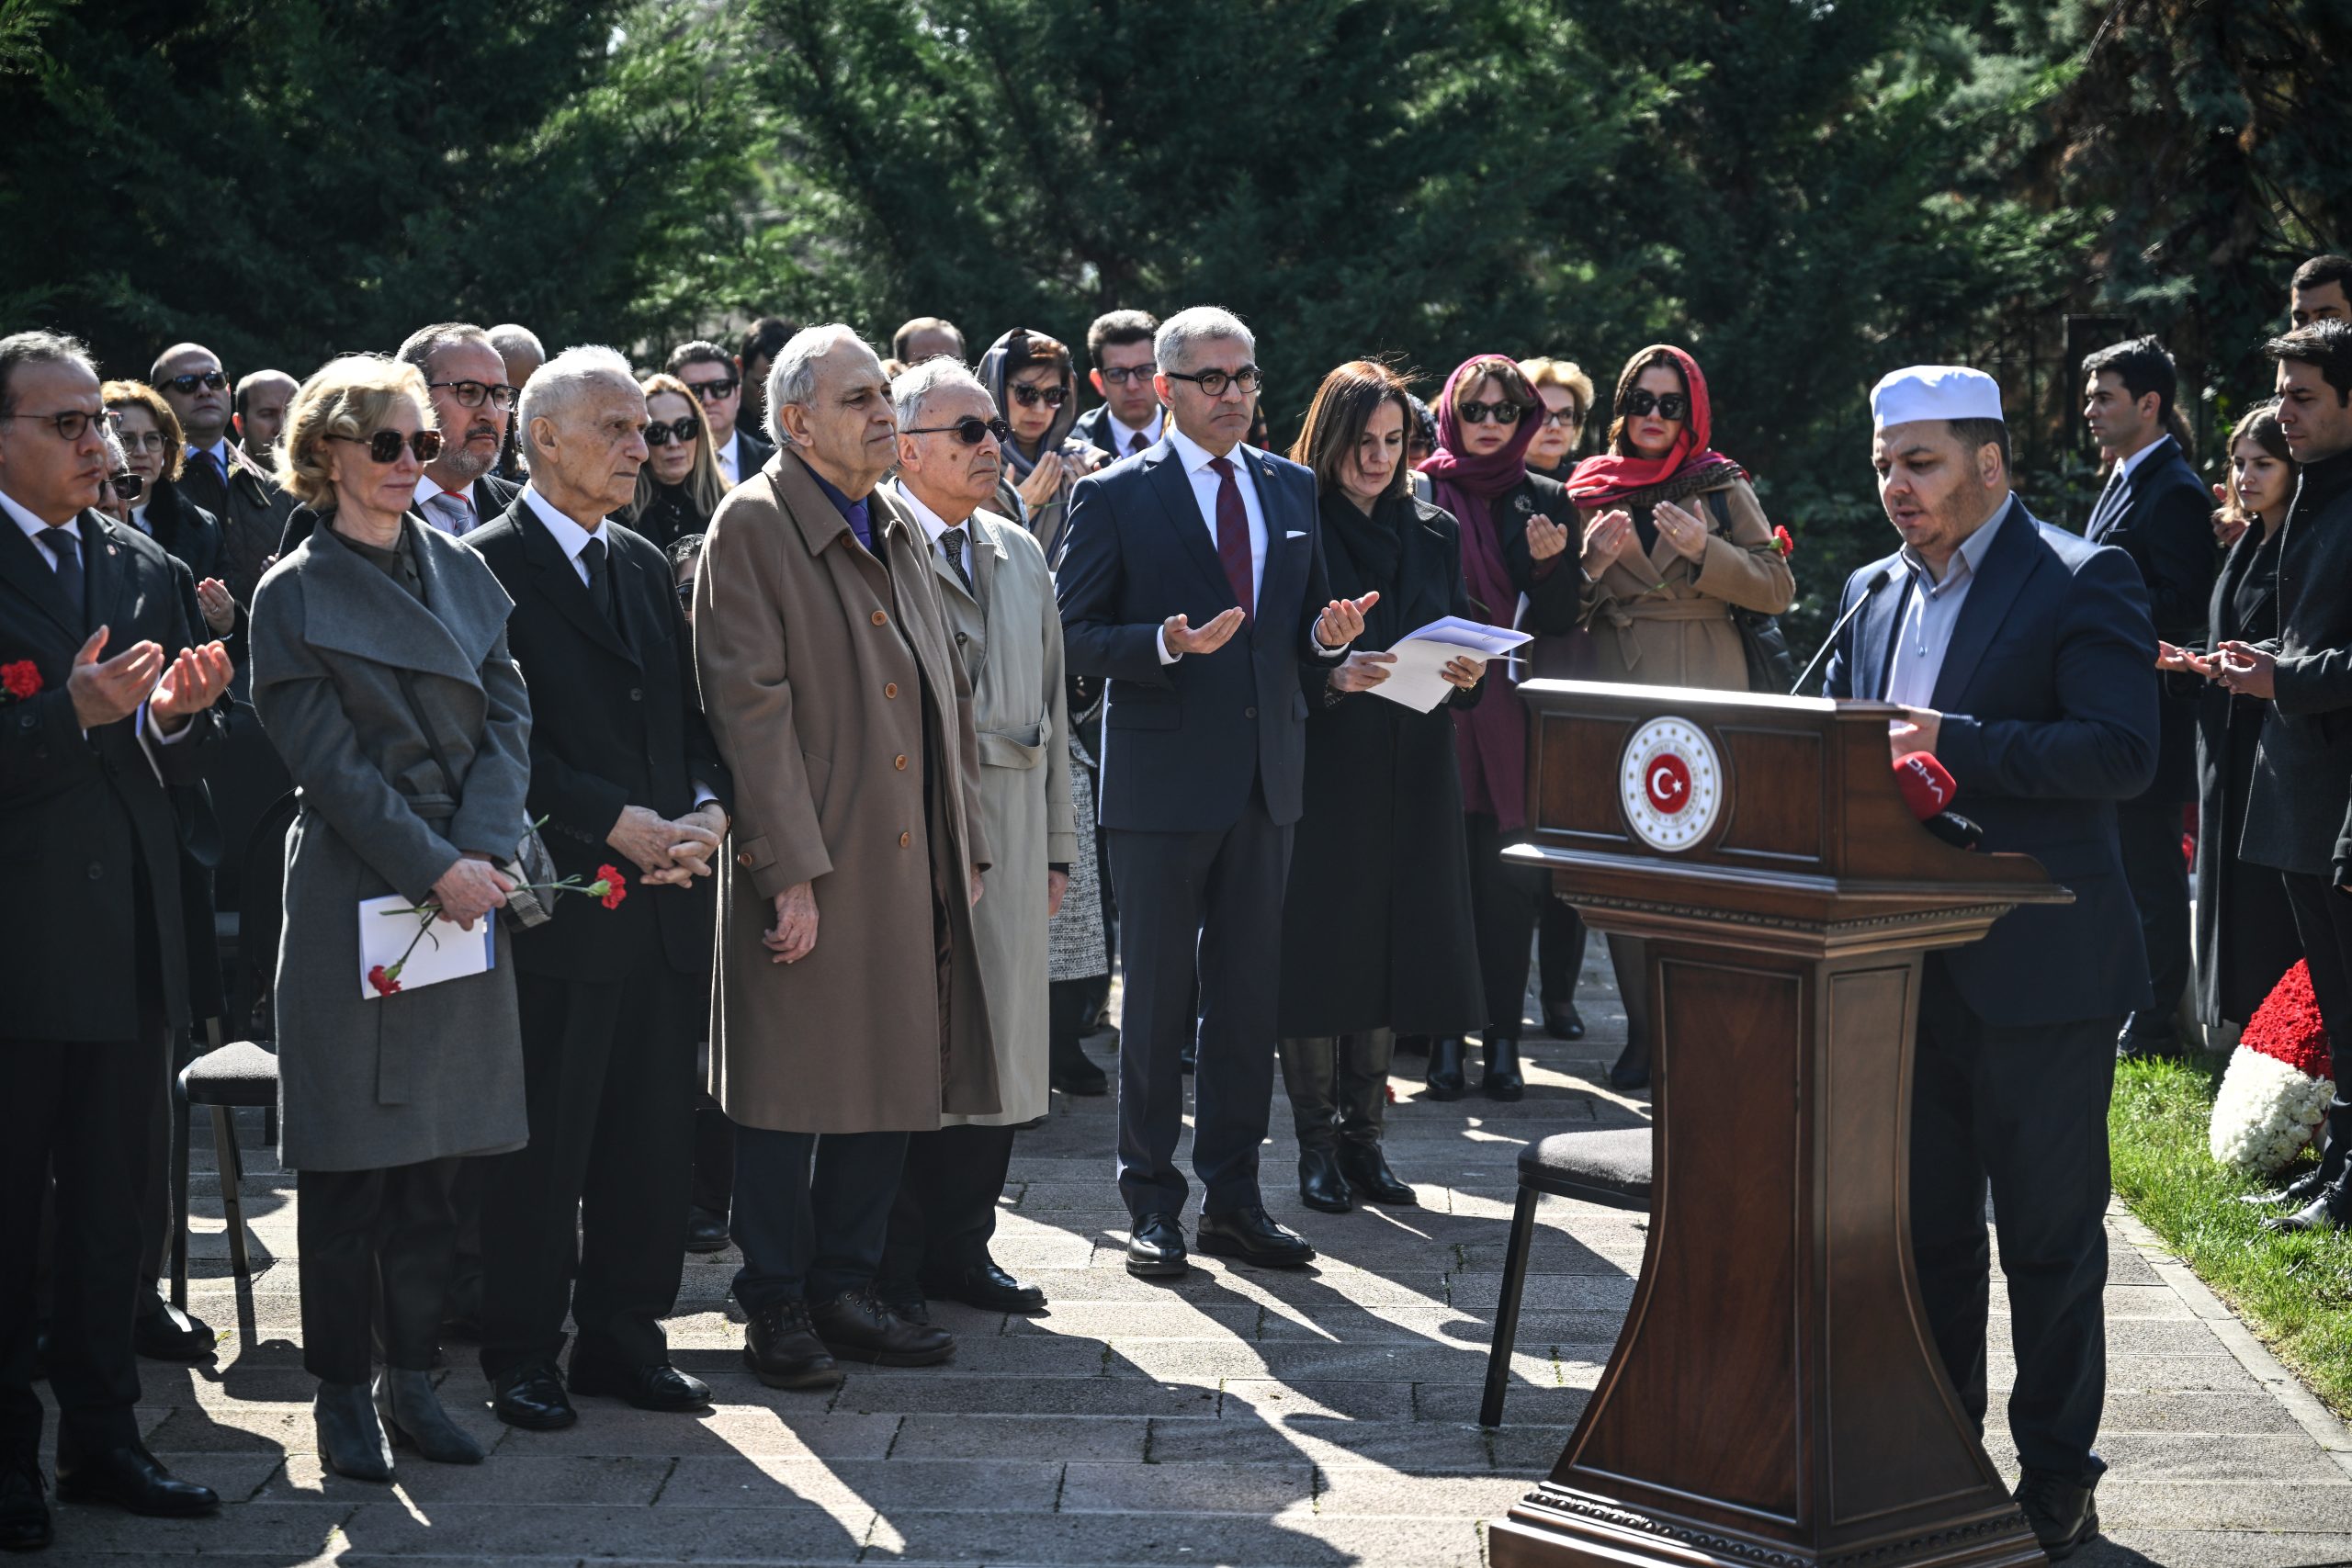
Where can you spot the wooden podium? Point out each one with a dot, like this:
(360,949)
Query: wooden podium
(1775,1399)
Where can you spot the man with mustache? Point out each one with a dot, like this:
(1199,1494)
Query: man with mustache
(471,402)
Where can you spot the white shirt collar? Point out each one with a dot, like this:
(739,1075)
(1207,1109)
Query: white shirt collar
(428,486)
(33,526)
(1196,456)
(934,525)
(1127,433)
(2132,464)
(139,519)
(569,535)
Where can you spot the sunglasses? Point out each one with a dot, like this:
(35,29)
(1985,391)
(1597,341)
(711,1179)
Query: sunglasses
(1130,373)
(1641,399)
(127,486)
(681,430)
(384,446)
(1475,412)
(1029,397)
(711,391)
(970,430)
(472,394)
(1214,382)
(210,381)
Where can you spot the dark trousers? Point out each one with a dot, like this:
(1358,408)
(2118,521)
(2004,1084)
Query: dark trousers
(713,1185)
(1205,906)
(2149,834)
(1559,951)
(946,1210)
(1504,902)
(608,1081)
(811,1211)
(376,1248)
(2323,922)
(77,1111)
(2022,1110)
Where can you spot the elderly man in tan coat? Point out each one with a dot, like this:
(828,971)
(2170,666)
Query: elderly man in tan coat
(849,1008)
(998,598)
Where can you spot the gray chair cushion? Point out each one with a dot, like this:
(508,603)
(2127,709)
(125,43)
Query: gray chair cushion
(1599,1164)
(239,1073)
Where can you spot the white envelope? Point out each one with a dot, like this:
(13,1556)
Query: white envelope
(444,952)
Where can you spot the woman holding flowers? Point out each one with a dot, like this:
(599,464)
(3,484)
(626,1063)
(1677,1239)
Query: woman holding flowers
(381,674)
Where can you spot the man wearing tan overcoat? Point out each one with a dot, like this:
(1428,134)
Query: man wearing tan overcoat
(849,1008)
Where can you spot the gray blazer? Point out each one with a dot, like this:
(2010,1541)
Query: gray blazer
(368,1083)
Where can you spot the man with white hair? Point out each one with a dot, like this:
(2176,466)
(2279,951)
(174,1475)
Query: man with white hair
(627,776)
(1195,583)
(999,602)
(2023,657)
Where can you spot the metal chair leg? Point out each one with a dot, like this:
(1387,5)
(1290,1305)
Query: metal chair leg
(233,1174)
(179,1198)
(1514,1283)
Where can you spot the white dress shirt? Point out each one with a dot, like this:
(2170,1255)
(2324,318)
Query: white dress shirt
(1930,610)
(570,536)
(1124,437)
(934,525)
(730,454)
(2131,463)
(1194,459)
(441,517)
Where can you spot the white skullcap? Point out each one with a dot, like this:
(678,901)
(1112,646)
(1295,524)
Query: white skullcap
(1934,391)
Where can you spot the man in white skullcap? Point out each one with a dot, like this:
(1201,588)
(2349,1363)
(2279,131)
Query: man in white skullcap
(2024,659)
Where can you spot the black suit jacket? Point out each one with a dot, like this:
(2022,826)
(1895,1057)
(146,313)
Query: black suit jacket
(2163,518)
(2048,691)
(493,496)
(615,720)
(89,838)
(1183,743)
(1094,427)
(2295,813)
(752,455)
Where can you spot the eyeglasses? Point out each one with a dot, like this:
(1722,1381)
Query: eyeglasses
(1214,382)
(137,440)
(969,430)
(210,381)
(683,429)
(472,394)
(1504,412)
(1641,399)
(72,425)
(711,391)
(1121,377)
(1029,397)
(127,486)
(384,446)
(1567,418)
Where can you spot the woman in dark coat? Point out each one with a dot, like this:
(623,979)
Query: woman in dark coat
(680,485)
(1376,925)
(1516,527)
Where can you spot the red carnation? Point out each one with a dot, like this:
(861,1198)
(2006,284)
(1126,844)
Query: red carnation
(21,679)
(611,886)
(381,979)
(1783,543)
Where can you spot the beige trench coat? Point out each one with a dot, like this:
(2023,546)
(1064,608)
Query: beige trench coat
(1681,634)
(1009,635)
(833,690)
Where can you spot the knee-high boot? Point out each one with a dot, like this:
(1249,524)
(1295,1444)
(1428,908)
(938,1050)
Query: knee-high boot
(1310,1070)
(1364,1062)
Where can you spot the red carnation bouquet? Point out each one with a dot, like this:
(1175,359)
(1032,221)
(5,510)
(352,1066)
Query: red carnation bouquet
(2275,1090)
(18,682)
(609,888)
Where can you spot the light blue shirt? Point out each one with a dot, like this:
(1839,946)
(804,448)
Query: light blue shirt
(1930,610)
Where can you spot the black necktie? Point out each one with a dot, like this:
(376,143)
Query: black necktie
(1136,444)
(951,545)
(600,582)
(66,545)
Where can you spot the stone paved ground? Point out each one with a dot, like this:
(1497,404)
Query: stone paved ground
(1237,1416)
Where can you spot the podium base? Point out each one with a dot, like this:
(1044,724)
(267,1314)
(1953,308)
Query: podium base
(1553,1527)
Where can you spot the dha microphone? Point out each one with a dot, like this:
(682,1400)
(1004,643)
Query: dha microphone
(1871,585)
(1928,789)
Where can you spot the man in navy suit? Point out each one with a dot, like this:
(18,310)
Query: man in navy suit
(2023,657)
(1194,583)
(2155,510)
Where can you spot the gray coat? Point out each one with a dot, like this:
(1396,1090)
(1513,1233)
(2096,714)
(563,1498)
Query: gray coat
(369,1083)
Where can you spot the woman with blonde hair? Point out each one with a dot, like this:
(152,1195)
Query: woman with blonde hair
(680,484)
(381,674)
(1566,392)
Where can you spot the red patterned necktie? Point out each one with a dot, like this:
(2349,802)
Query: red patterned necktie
(1233,535)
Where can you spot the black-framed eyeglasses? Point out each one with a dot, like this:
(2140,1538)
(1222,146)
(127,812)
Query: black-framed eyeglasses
(1566,419)
(1214,382)
(1029,397)
(127,485)
(1127,373)
(135,440)
(71,423)
(473,394)
(970,430)
(683,429)
(711,391)
(210,381)
(1673,405)
(1502,413)
(384,445)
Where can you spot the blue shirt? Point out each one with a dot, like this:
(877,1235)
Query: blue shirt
(1930,611)
(855,513)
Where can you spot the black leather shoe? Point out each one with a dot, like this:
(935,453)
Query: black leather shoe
(1564,1022)
(131,1478)
(2295,1195)
(857,1326)
(1252,1236)
(1632,1070)
(1321,1184)
(2331,1210)
(1444,1080)
(1155,1248)
(531,1396)
(167,1333)
(658,1387)
(910,1307)
(1369,1178)
(2063,1512)
(24,1508)
(705,1230)
(1502,1079)
(411,1414)
(989,1288)
(784,1352)
(2150,1043)
(1072,1071)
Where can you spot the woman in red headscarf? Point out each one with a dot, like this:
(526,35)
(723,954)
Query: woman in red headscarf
(1516,527)
(1674,540)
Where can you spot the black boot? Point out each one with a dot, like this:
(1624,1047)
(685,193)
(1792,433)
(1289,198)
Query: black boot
(351,1439)
(1444,1080)
(1501,1079)
(1068,1065)
(2334,1149)
(1632,1070)
(2331,1210)
(1309,1078)
(411,1413)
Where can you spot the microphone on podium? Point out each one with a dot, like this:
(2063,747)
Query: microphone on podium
(1928,789)
(1876,580)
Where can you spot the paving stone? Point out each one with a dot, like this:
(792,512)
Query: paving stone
(807,1535)
(1097,1438)
(1026,1397)
(842,1486)
(1260,1490)
(2216,1549)
(1290,1541)
(1342,1492)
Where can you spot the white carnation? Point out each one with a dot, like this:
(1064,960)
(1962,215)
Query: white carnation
(2265,1110)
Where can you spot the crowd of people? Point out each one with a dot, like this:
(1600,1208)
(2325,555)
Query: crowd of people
(776,750)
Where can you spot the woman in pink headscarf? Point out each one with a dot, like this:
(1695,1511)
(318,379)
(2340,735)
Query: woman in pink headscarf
(1674,540)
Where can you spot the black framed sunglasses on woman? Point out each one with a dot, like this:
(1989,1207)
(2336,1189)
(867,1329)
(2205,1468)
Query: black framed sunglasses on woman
(680,430)
(972,430)
(384,445)
(1029,397)
(1503,412)
(1641,401)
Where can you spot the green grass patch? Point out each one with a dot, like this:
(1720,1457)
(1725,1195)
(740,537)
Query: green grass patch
(2294,1291)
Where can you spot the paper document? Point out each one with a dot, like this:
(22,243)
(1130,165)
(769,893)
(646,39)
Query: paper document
(443,953)
(1417,680)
